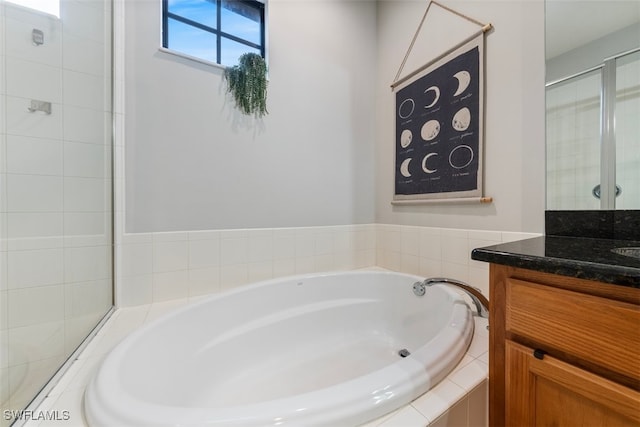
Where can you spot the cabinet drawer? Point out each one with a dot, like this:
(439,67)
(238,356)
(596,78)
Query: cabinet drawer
(600,331)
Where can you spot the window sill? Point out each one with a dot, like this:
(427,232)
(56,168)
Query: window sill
(191,58)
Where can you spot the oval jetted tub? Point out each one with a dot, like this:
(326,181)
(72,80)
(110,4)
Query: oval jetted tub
(329,349)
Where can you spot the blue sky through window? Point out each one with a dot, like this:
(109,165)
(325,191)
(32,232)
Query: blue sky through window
(239,19)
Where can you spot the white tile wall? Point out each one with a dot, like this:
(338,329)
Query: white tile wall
(160,266)
(34,156)
(33,80)
(85,125)
(430,252)
(180,264)
(54,190)
(19,121)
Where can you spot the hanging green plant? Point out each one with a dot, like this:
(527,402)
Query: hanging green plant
(247,82)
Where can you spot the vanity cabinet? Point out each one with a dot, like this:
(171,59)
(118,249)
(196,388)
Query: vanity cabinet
(563,351)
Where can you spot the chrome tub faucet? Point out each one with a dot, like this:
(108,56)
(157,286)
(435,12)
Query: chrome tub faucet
(480,301)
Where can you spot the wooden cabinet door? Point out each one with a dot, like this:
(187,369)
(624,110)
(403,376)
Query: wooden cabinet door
(549,392)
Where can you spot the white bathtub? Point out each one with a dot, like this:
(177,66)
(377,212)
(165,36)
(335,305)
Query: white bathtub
(301,351)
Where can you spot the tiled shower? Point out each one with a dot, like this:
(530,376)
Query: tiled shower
(576,161)
(55,187)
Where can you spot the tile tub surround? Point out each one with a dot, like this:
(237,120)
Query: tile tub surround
(459,400)
(154,267)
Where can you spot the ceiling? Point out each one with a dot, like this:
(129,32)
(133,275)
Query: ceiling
(573,23)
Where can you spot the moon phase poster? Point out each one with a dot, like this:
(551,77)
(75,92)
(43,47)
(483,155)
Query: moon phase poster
(439,128)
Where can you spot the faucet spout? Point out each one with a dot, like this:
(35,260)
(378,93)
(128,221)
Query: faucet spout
(479,300)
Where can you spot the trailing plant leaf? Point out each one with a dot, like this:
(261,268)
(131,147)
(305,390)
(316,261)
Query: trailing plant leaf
(247,83)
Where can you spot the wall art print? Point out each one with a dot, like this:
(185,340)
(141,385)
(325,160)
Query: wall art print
(439,128)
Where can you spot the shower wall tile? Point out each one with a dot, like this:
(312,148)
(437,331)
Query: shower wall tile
(33,80)
(35,268)
(36,305)
(40,226)
(19,121)
(43,159)
(84,55)
(3,314)
(35,243)
(50,339)
(83,20)
(87,263)
(84,90)
(34,156)
(3,86)
(34,193)
(87,224)
(86,300)
(4,360)
(85,125)
(25,380)
(86,160)
(85,194)
(19,43)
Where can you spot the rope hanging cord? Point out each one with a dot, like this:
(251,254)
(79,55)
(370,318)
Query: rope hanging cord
(485,28)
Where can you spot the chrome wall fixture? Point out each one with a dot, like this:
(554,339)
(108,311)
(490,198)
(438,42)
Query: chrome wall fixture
(36,105)
(37,36)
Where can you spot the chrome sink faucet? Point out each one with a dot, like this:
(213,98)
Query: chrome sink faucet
(480,301)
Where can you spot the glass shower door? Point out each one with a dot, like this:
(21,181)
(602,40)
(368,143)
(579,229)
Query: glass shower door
(627,123)
(573,142)
(55,187)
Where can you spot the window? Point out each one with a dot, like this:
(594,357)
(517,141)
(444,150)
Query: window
(214,30)
(52,7)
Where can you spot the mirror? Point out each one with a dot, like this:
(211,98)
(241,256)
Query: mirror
(593,104)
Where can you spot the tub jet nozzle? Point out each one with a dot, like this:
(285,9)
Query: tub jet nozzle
(404,352)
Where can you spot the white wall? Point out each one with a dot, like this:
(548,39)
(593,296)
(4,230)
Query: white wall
(514,113)
(194,163)
(593,53)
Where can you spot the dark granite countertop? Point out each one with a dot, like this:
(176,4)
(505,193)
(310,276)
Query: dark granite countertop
(584,258)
